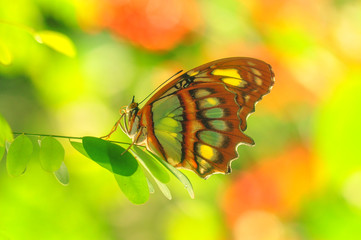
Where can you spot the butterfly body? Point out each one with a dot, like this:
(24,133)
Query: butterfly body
(197,120)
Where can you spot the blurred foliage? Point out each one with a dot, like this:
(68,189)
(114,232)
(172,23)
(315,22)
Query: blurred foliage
(302,180)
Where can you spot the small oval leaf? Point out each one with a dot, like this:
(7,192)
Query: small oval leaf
(164,189)
(127,172)
(157,169)
(178,174)
(110,156)
(134,187)
(51,154)
(62,174)
(19,155)
(150,186)
(6,57)
(57,41)
(5,131)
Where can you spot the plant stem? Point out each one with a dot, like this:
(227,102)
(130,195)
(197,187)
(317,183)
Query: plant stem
(46,135)
(59,136)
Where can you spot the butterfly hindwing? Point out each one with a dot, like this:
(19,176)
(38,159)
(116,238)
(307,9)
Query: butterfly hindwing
(197,120)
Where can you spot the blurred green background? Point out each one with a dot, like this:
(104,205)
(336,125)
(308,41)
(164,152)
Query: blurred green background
(302,180)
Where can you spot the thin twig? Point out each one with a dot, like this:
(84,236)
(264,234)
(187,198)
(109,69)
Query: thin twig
(59,136)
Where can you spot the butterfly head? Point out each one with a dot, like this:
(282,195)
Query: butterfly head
(131,107)
(130,123)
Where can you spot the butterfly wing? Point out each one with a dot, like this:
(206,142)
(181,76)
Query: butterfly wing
(198,120)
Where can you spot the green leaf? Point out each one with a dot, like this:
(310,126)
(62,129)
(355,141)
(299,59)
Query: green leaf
(2,151)
(178,174)
(19,155)
(150,186)
(127,172)
(62,174)
(79,147)
(157,169)
(7,145)
(6,57)
(36,148)
(57,41)
(164,189)
(110,156)
(5,131)
(134,187)
(51,154)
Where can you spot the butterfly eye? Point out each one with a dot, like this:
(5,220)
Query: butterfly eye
(133,105)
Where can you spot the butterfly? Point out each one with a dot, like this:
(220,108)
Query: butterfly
(197,120)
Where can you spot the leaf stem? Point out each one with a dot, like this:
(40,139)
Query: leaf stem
(59,136)
(46,135)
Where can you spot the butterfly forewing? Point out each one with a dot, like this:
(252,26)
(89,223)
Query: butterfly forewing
(197,120)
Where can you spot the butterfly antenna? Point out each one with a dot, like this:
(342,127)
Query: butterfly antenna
(161,85)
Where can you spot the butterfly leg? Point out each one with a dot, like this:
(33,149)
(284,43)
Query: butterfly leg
(126,150)
(136,138)
(115,127)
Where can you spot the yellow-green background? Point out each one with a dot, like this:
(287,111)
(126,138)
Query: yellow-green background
(302,180)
